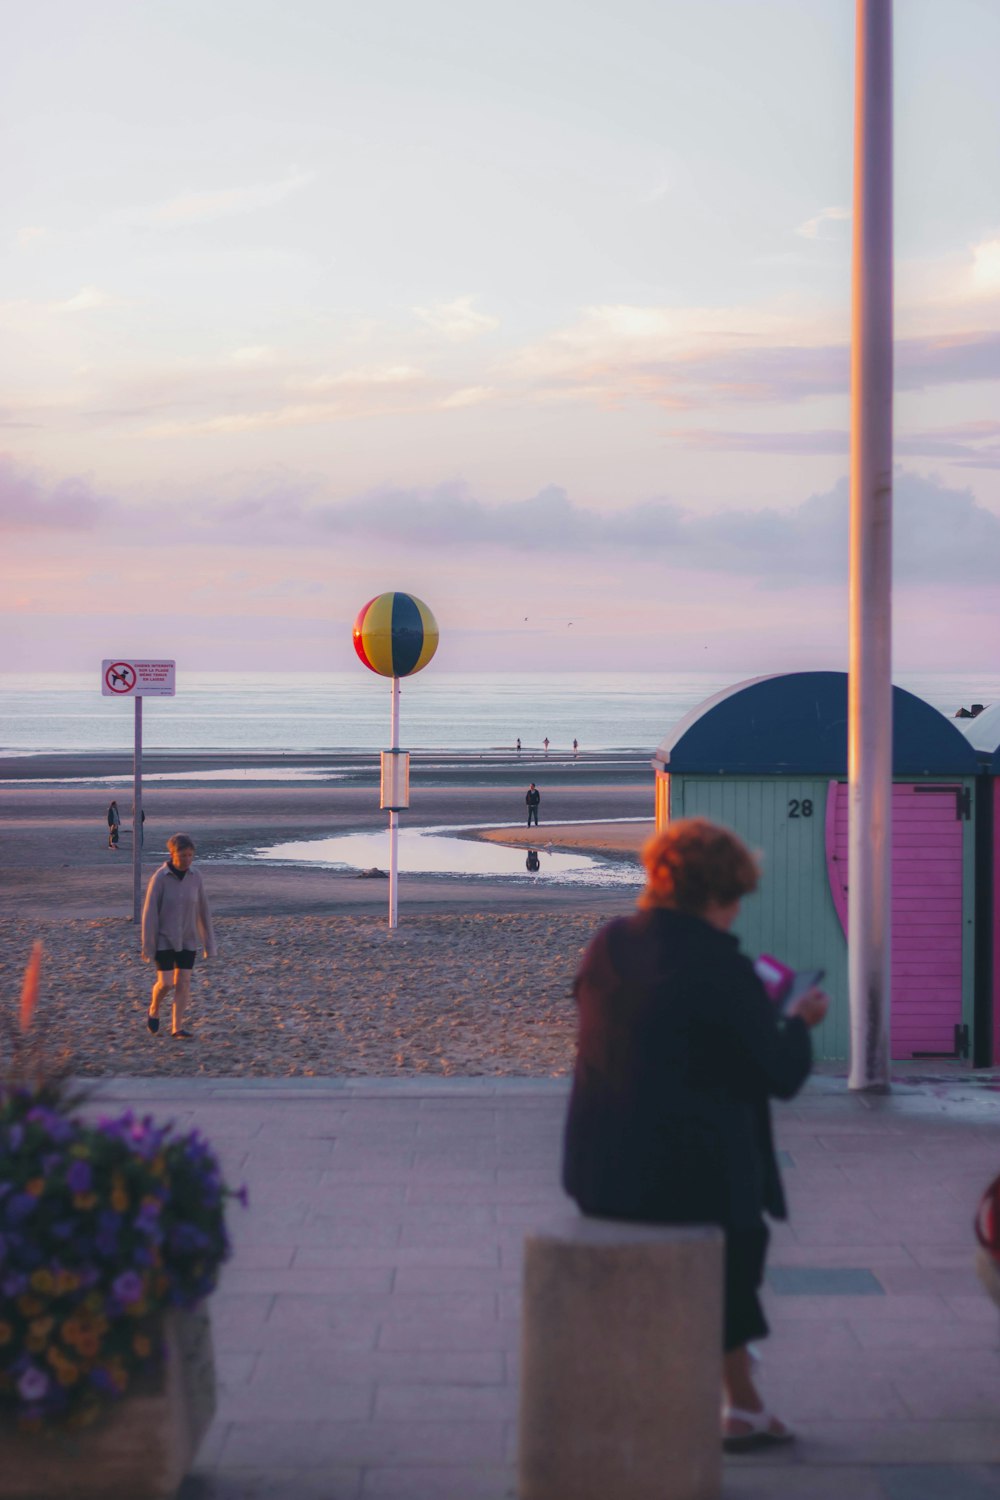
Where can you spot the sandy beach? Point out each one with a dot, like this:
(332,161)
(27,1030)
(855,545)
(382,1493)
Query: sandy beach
(309,980)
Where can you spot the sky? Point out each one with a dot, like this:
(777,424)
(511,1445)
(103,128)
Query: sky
(539,311)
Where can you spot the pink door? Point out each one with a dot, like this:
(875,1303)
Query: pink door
(927,866)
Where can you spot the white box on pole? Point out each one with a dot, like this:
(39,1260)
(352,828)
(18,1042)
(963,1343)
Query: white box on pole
(395,779)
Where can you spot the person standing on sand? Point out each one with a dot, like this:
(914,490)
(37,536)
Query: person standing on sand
(545,742)
(576,746)
(114,822)
(174,918)
(533,798)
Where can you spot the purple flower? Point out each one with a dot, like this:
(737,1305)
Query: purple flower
(127,1287)
(33,1384)
(147,1220)
(15,1136)
(79,1177)
(242,1195)
(186,1238)
(20,1206)
(13,1284)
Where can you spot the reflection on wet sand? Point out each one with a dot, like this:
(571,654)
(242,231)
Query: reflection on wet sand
(434,851)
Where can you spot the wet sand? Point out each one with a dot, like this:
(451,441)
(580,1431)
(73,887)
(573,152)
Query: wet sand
(476,979)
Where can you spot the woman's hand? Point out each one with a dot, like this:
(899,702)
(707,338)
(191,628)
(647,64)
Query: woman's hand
(812,1006)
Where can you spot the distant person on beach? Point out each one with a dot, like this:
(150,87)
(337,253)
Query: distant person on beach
(679,1052)
(114,823)
(576,746)
(545,742)
(142,826)
(175,921)
(519,745)
(533,798)
(532,862)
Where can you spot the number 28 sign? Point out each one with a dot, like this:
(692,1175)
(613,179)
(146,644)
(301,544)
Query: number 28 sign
(138,679)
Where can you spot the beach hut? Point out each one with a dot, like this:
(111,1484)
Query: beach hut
(768,758)
(983,734)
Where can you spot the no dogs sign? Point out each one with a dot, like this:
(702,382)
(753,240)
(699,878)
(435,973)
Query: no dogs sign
(138,679)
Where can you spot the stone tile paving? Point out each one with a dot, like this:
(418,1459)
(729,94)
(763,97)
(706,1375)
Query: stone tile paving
(367,1328)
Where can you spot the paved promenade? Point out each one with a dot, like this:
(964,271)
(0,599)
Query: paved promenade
(367,1328)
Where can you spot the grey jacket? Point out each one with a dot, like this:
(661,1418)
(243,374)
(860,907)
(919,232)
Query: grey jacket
(176,914)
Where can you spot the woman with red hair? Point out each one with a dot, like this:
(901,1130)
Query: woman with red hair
(679,1051)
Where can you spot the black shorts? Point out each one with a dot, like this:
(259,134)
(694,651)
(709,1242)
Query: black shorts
(174,958)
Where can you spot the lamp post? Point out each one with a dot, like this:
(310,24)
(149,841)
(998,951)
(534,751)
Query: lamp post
(395,635)
(870,679)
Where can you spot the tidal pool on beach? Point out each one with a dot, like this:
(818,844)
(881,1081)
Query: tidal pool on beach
(436,851)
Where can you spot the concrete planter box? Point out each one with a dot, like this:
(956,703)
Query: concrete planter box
(146,1445)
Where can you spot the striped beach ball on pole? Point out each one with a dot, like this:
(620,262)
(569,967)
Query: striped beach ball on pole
(395,635)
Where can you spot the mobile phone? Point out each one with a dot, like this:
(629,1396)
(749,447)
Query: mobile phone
(803,980)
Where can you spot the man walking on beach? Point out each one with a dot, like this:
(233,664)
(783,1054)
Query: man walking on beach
(533,798)
(114,823)
(174,919)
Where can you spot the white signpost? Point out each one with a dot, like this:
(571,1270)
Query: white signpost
(138,680)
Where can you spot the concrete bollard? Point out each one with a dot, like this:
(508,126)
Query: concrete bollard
(621,1362)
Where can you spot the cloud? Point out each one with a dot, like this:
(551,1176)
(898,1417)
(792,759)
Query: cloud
(969,445)
(456,320)
(31,234)
(986,265)
(86,298)
(223,203)
(27,503)
(794,444)
(811,229)
(942,535)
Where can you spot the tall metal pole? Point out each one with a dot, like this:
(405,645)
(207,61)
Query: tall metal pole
(870,690)
(137,815)
(394,816)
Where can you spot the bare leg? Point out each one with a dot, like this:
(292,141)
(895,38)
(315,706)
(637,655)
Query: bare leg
(164,984)
(740,1391)
(182,995)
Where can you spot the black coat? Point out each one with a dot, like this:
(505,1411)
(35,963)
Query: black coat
(679,1050)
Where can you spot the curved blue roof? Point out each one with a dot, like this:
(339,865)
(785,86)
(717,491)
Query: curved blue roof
(796,724)
(983,734)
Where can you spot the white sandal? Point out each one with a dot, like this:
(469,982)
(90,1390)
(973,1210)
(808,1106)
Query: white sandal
(761,1434)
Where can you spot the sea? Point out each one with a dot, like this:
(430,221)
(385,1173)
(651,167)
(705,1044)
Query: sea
(304,712)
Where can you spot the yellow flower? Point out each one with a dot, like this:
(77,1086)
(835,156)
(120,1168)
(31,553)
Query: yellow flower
(119,1200)
(30,1307)
(41,1327)
(43,1281)
(71,1330)
(158,1165)
(88,1344)
(67,1281)
(36,1187)
(84,1200)
(67,1374)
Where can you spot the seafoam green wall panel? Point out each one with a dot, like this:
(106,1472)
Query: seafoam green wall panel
(792,914)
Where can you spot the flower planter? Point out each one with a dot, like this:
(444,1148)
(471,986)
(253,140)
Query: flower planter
(143,1449)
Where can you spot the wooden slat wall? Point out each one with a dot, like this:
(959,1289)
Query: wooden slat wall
(792,915)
